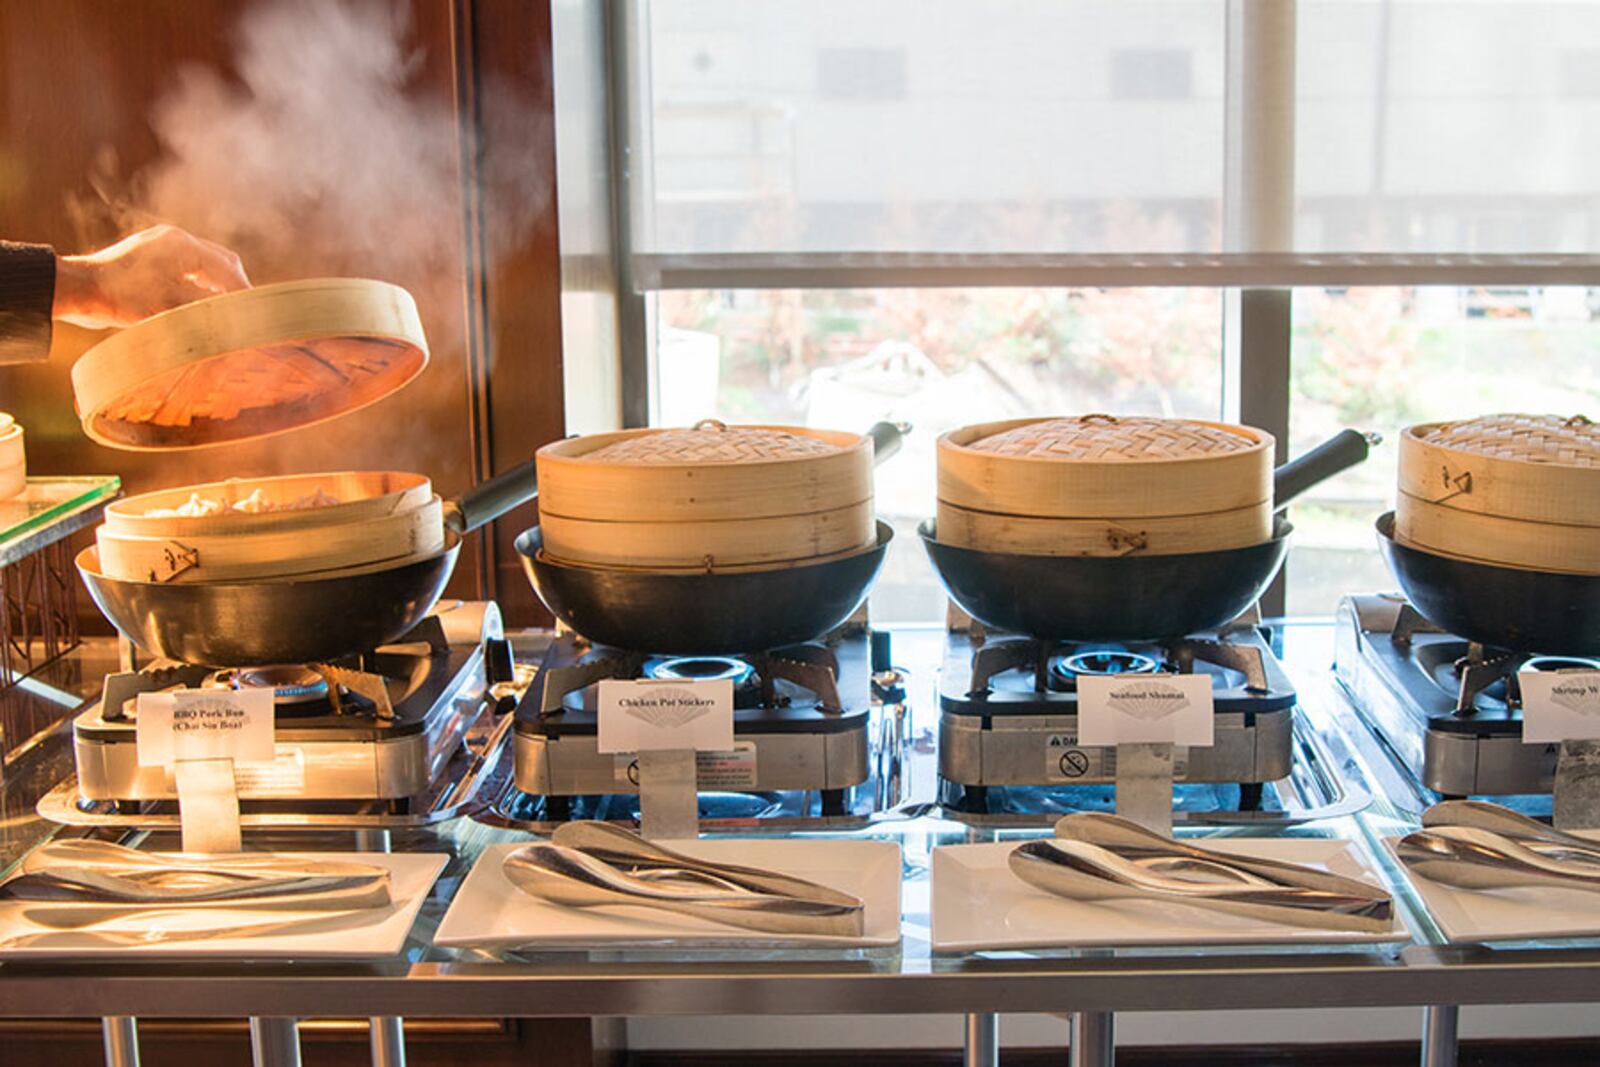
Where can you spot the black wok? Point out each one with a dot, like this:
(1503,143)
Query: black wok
(706,614)
(1521,610)
(1131,598)
(297,620)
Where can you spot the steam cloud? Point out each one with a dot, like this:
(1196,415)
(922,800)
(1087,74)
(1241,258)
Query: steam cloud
(326,156)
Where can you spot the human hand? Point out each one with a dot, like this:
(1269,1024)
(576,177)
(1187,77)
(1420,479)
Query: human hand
(142,274)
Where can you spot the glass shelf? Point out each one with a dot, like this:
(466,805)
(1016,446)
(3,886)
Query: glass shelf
(49,509)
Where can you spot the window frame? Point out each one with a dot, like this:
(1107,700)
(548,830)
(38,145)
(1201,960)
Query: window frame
(1255,272)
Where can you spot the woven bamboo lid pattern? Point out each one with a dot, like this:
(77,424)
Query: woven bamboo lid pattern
(712,442)
(1555,439)
(1108,438)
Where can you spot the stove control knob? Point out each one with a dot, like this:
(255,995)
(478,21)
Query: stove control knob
(497,661)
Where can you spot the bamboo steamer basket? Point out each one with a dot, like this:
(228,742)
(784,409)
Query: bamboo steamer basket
(361,495)
(1516,490)
(13,459)
(273,553)
(713,497)
(381,515)
(1099,485)
(251,363)
(1160,535)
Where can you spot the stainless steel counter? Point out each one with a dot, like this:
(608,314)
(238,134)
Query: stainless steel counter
(911,978)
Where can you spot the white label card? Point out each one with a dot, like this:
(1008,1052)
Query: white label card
(196,724)
(1560,705)
(652,714)
(1115,709)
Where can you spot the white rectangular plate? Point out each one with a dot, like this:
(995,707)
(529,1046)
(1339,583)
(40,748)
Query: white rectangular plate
(490,912)
(1531,914)
(243,934)
(978,904)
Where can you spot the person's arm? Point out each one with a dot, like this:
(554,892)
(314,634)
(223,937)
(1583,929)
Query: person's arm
(142,274)
(27,290)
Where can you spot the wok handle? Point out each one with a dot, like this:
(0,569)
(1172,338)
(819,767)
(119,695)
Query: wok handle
(887,437)
(1341,451)
(489,500)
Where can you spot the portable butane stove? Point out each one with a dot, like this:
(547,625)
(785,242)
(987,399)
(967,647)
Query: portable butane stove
(1009,724)
(800,725)
(376,727)
(1448,708)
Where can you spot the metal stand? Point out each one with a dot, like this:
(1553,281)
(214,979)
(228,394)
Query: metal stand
(121,1034)
(38,611)
(388,1041)
(1575,794)
(274,1042)
(1144,794)
(982,1041)
(1439,1041)
(669,801)
(1144,785)
(1093,1040)
(208,805)
(388,1032)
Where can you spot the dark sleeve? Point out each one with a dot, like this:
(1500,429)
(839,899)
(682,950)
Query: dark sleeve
(27,289)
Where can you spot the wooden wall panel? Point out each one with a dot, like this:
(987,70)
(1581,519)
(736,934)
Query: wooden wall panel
(79,83)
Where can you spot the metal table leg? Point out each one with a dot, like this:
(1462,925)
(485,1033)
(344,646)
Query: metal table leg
(388,1031)
(274,1042)
(1439,1042)
(1093,1043)
(388,1041)
(982,1041)
(121,1034)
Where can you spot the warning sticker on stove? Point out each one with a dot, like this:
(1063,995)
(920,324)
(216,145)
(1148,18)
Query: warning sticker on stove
(735,769)
(732,769)
(1067,761)
(282,776)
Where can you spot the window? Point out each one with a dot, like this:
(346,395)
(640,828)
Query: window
(1386,358)
(836,211)
(938,359)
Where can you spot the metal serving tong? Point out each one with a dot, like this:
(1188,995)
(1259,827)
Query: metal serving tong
(1100,857)
(1528,832)
(96,875)
(590,864)
(1473,845)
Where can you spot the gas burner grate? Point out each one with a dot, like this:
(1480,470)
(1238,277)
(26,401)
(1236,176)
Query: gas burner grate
(1044,673)
(1445,712)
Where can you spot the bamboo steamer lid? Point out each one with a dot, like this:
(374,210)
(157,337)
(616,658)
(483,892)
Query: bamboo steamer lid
(1497,539)
(268,552)
(707,472)
(711,497)
(1143,536)
(249,364)
(1103,465)
(1536,468)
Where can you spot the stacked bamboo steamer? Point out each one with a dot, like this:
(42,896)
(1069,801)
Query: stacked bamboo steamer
(1515,490)
(242,366)
(709,498)
(1100,485)
(296,526)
